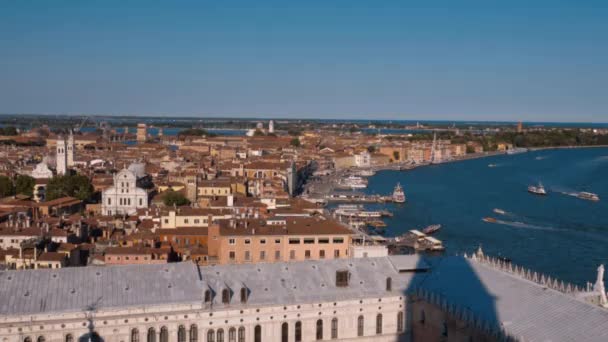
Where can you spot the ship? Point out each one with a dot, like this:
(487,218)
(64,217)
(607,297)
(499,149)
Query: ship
(517,150)
(537,190)
(398,194)
(492,165)
(489,219)
(588,196)
(500,211)
(353,182)
(431,229)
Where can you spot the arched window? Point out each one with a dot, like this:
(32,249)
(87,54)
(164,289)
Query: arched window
(400,322)
(444,331)
(151,335)
(164,334)
(211,336)
(319,330)
(193,333)
(27,339)
(134,335)
(334,328)
(220,335)
(232,335)
(422,317)
(181,334)
(257,334)
(242,334)
(41,339)
(389,284)
(360,325)
(225,296)
(243,295)
(69,338)
(379,324)
(207,296)
(285,332)
(298,331)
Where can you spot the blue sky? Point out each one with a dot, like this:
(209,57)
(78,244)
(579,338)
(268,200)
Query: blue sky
(469,60)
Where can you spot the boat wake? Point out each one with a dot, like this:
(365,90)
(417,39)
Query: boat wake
(517,224)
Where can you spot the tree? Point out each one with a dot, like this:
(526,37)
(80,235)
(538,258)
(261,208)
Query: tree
(6,187)
(77,186)
(258,133)
(295,142)
(24,184)
(371,148)
(171,198)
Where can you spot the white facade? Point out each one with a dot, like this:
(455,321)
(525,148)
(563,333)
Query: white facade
(42,171)
(271,126)
(61,156)
(363,159)
(124,197)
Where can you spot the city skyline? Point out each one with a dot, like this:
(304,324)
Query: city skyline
(471,61)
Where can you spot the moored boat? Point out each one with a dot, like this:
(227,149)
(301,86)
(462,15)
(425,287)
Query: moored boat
(398,194)
(431,229)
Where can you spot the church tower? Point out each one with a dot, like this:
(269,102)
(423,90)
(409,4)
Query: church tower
(61,158)
(70,150)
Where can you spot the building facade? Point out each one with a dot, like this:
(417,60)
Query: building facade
(124,198)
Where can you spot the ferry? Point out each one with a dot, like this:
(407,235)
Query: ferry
(353,182)
(398,194)
(517,150)
(537,190)
(588,196)
(489,219)
(431,229)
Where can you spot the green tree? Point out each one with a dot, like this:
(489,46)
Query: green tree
(171,198)
(6,187)
(258,133)
(295,142)
(24,184)
(77,186)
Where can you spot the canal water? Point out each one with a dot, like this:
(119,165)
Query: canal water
(558,234)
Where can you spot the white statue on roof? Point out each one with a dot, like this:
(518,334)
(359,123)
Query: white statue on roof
(599,286)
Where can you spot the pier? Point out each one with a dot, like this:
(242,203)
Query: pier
(352,197)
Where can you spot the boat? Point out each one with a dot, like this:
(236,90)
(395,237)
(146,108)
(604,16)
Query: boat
(431,229)
(500,211)
(398,194)
(353,182)
(588,196)
(366,173)
(537,190)
(517,150)
(489,219)
(492,165)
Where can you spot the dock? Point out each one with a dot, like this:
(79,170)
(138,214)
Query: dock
(417,240)
(357,198)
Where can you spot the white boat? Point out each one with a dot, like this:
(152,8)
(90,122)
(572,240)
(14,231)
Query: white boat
(492,165)
(431,229)
(499,211)
(517,150)
(353,182)
(398,194)
(588,196)
(537,190)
